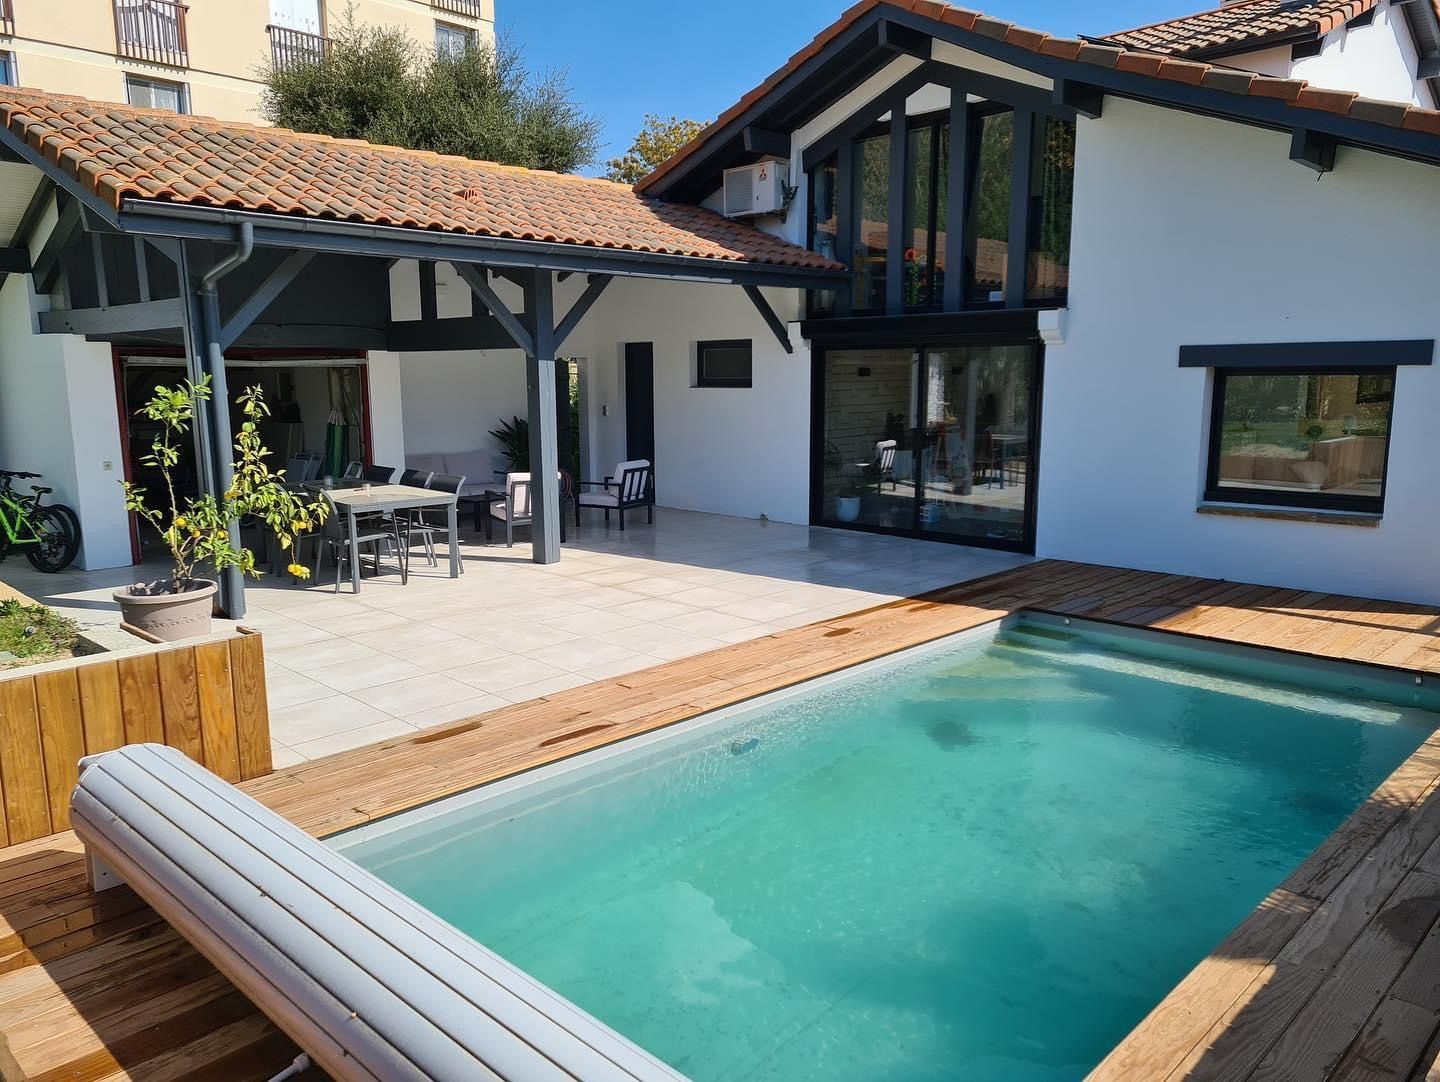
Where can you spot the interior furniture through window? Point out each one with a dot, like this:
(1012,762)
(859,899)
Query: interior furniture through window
(1300,437)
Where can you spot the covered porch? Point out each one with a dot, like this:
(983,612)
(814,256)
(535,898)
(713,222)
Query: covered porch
(433,292)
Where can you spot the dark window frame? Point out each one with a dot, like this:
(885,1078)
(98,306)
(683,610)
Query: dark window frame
(938,332)
(1311,501)
(702,380)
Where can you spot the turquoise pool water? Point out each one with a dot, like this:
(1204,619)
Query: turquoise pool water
(986,861)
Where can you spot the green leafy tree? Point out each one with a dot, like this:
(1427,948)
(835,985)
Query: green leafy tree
(197,530)
(658,140)
(378,84)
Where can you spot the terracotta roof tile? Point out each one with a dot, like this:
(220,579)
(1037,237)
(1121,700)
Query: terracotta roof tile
(123,153)
(1239,27)
(1155,52)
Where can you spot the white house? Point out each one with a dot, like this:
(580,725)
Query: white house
(1159,299)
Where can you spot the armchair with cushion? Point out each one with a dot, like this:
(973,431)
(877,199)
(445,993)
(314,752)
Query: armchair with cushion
(629,487)
(517,509)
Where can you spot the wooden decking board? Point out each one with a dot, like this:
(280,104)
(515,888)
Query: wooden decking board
(1337,966)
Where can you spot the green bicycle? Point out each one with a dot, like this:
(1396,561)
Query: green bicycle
(49,533)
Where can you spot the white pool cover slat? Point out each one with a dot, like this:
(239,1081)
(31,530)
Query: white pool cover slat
(372,985)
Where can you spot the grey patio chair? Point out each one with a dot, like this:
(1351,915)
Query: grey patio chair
(378,475)
(629,487)
(416,478)
(354,471)
(517,510)
(429,521)
(334,538)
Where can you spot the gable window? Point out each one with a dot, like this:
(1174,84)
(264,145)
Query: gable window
(987,232)
(156,94)
(1052,193)
(452,39)
(870,220)
(723,364)
(1301,437)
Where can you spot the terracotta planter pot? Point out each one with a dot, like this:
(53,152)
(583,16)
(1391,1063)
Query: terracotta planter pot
(151,607)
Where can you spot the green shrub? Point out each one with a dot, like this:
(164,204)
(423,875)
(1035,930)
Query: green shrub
(33,633)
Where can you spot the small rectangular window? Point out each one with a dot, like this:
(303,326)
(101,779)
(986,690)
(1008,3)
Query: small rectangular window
(156,94)
(453,39)
(7,70)
(1301,438)
(723,364)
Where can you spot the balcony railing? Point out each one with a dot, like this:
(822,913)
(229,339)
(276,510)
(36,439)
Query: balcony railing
(7,17)
(459,7)
(291,48)
(152,30)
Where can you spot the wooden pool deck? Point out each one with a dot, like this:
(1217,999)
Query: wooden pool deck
(1336,976)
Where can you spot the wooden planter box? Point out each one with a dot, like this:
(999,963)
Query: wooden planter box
(205,697)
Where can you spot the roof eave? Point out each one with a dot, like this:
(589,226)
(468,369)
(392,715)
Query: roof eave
(185,221)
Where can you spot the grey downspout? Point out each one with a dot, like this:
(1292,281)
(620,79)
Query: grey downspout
(232,582)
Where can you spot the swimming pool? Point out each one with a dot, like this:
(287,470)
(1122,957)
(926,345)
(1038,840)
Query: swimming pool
(985,859)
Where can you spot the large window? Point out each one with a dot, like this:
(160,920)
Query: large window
(987,232)
(1052,191)
(870,220)
(935,441)
(824,226)
(1301,438)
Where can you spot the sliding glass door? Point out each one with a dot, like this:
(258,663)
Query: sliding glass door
(932,441)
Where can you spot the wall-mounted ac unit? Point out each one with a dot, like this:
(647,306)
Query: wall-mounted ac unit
(756,189)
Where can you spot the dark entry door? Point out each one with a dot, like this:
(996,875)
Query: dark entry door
(640,401)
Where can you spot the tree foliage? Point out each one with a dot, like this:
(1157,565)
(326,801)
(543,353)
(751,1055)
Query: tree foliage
(658,140)
(378,84)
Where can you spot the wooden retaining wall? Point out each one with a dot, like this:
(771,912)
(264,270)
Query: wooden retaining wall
(205,697)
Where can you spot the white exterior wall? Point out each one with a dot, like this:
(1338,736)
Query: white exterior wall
(1166,254)
(1378,61)
(452,400)
(58,418)
(731,451)
(386,405)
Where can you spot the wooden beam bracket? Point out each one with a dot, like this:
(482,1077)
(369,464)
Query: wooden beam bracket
(583,304)
(475,276)
(776,325)
(1086,100)
(115,319)
(264,295)
(1312,150)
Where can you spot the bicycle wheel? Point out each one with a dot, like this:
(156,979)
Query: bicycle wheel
(58,540)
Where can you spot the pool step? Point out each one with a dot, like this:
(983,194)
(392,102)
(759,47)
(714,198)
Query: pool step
(1040,636)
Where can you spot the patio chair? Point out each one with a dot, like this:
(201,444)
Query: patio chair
(379,475)
(428,521)
(416,478)
(303,466)
(629,487)
(517,509)
(334,538)
(354,471)
(884,464)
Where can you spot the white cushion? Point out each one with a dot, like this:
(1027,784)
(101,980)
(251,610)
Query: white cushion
(598,499)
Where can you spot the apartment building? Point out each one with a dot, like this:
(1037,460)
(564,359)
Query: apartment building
(203,57)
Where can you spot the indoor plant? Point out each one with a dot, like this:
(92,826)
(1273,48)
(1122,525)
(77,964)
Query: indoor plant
(847,499)
(196,529)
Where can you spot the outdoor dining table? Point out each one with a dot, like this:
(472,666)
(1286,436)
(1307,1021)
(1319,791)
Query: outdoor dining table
(354,501)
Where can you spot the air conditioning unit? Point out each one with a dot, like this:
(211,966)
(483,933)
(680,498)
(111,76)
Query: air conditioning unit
(756,189)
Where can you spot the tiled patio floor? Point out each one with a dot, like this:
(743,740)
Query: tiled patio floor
(346,670)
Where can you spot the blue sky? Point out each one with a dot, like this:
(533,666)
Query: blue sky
(627,58)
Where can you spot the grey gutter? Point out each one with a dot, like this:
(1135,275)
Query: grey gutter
(359,238)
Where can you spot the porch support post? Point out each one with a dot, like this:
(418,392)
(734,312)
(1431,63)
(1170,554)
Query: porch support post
(954,288)
(541,397)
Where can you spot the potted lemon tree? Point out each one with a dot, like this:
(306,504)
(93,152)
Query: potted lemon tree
(196,530)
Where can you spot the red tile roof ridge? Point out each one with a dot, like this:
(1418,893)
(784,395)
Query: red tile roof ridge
(121,153)
(1104,52)
(193,120)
